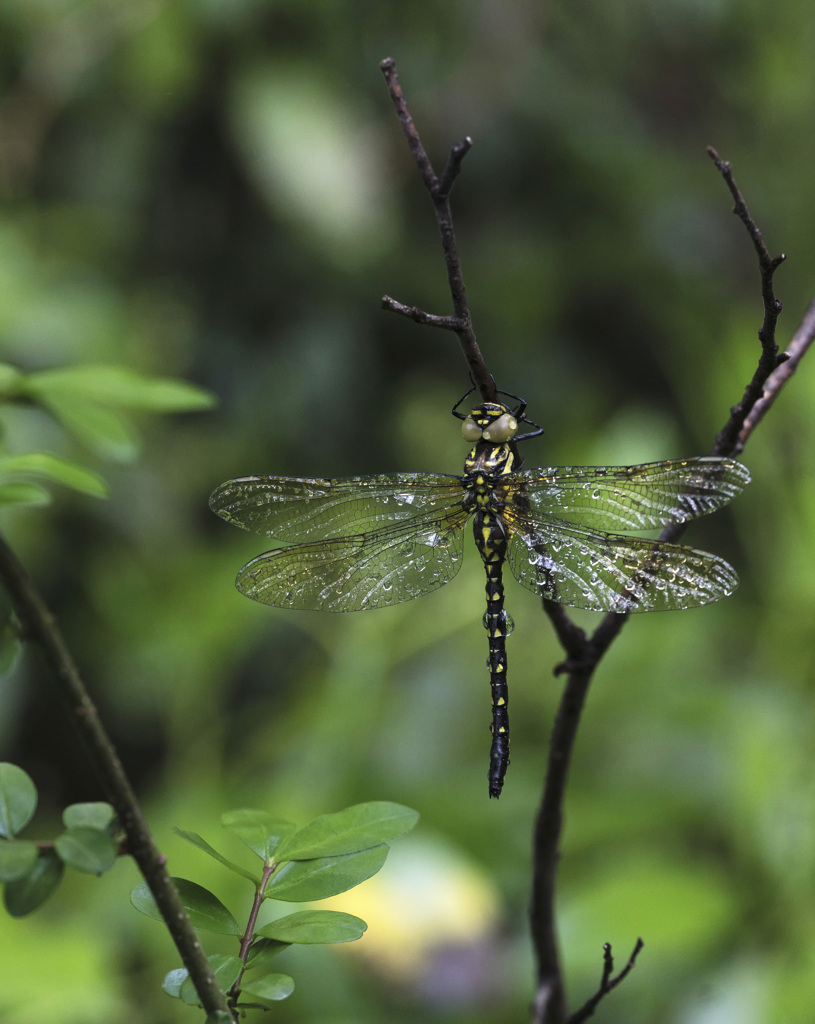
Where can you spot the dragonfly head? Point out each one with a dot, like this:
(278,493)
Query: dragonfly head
(490,422)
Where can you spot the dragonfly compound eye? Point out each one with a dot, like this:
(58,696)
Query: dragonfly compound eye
(471,430)
(504,428)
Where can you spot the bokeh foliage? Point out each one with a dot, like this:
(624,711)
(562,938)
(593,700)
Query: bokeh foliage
(219,191)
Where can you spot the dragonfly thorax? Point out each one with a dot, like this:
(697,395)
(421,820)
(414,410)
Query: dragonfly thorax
(490,421)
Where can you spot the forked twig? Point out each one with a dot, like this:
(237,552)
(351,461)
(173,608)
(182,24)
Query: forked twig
(607,982)
(439,189)
(727,441)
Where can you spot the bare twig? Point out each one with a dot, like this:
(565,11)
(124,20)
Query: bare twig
(439,190)
(584,653)
(446,323)
(38,625)
(787,365)
(607,982)
(727,440)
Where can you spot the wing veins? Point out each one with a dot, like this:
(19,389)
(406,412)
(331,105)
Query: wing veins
(394,563)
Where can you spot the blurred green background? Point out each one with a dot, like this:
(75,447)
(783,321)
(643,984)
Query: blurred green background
(219,190)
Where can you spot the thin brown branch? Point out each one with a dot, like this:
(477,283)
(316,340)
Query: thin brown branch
(787,365)
(585,652)
(439,190)
(727,440)
(419,316)
(249,931)
(607,982)
(38,625)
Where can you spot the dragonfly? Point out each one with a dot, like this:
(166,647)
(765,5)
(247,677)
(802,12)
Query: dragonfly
(372,541)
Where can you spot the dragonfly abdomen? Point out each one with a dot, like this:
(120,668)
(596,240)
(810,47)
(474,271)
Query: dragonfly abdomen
(491,540)
(485,467)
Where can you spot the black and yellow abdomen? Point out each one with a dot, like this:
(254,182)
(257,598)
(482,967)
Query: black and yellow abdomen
(486,468)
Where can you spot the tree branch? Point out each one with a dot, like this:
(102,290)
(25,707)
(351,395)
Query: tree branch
(607,983)
(787,365)
(439,189)
(727,440)
(584,653)
(39,626)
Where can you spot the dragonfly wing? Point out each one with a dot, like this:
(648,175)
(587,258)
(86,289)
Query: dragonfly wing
(606,572)
(387,566)
(295,510)
(643,497)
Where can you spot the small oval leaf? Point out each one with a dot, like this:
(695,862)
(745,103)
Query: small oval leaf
(120,387)
(356,828)
(299,881)
(18,799)
(86,849)
(174,980)
(91,815)
(25,894)
(269,987)
(315,926)
(17,857)
(262,951)
(205,910)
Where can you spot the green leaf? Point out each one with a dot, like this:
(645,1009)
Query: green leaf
(97,815)
(17,857)
(105,431)
(206,911)
(262,951)
(18,799)
(86,849)
(356,828)
(25,894)
(174,980)
(269,987)
(314,926)
(24,494)
(87,401)
(120,387)
(164,394)
(258,830)
(202,844)
(299,881)
(53,467)
(226,969)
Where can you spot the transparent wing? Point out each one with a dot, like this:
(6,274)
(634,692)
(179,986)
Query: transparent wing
(395,563)
(606,572)
(295,509)
(642,497)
